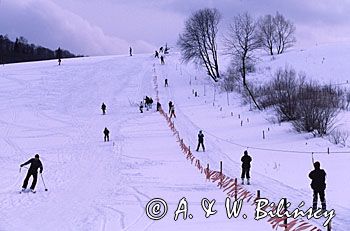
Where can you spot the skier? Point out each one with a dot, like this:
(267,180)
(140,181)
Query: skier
(103,107)
(150,102)
(35,163)
(147,102)
(170,106)
(162,59)
(166,50)
(106,132)
(159,106)
(160,49)
(130,51)
(246,159)
(156,54)
(172,112)
(141,107)
(166,83)
(318,185)
(200,141)
(59,62)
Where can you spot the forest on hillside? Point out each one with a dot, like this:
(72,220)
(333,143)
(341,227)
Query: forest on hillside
(22,51)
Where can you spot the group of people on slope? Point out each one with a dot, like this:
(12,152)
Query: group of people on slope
(317,176)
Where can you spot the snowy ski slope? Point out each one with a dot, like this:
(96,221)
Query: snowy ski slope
(55,111)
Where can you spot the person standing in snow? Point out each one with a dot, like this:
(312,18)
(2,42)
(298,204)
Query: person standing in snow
(59,62)
(130,51)
(159,106)
(200,141)
(35,164)
(318,185)
(150,102)
(246,159)
(146,99)
(156,54)
(141,107)
(166,83)
(106,133)
(170,106)
(103,107)
(162,60)
(172,112)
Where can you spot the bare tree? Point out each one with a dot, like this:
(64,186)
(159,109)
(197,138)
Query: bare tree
(285,30)
(198,41)
(242,39)
(267,32)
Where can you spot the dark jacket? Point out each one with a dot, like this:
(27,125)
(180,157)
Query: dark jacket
(200,137)
(318,177)
(34,165)
(106,131)
(246,159)
(103,107)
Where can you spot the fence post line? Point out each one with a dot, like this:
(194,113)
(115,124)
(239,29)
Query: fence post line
(236,186)
(285,207)
(208,172)
(329,226)
(220,174)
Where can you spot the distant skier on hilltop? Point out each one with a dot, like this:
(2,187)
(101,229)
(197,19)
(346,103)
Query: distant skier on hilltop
(141,107)
(170,106)
(106,133)
(103,108)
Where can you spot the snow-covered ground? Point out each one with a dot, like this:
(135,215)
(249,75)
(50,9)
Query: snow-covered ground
(94,185)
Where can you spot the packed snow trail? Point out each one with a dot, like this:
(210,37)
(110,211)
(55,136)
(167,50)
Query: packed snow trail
(193,115)
(94,185)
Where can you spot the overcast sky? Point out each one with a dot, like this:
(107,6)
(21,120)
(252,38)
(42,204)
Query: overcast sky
(98,27)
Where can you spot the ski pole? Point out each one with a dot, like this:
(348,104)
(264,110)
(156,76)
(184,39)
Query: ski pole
(43,181)
(20,169)
(313,161)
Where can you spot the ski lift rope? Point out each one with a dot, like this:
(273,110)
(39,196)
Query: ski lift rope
(272,150)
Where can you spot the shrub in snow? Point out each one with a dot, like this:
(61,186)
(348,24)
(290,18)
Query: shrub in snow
(339,137)
(317,107)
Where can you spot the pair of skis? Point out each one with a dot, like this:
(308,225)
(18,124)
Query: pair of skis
(26,191)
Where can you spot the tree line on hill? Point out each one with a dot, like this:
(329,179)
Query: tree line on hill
(21,51)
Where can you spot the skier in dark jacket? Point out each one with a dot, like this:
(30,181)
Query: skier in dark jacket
(162,59)
(141,107)
(103,107)
(156,55)
(172,112)
(159,106)
(106,132)
(170,106)
(318,185)
(246,159)
(200,141)
(166,83)
(35,163)
(130,51)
